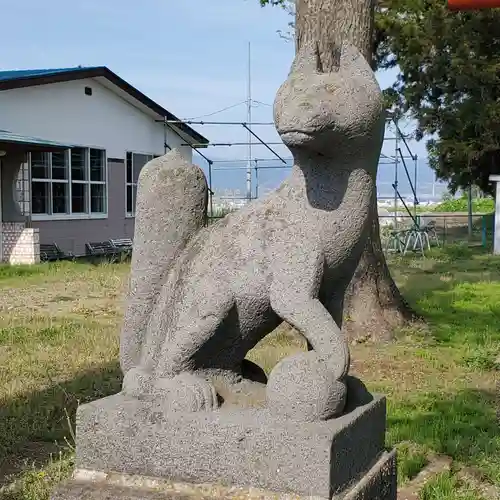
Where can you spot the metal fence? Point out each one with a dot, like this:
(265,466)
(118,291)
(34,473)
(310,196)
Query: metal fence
(450,228)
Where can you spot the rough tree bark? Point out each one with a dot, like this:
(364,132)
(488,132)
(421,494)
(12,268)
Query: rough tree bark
(373,305)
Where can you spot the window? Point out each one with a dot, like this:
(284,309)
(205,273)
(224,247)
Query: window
(71,182)
(49,183)
(135,162)
(23,187)
(79,181)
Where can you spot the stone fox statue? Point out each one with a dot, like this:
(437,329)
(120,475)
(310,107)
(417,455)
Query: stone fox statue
(202,297)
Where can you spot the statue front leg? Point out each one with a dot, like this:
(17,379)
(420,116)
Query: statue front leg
(309,386)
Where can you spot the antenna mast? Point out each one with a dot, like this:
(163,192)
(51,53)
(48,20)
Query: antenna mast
(249,121)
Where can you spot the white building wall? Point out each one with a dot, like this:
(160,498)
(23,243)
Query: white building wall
(63,112)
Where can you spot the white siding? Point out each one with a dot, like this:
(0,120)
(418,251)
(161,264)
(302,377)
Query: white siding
(62,112)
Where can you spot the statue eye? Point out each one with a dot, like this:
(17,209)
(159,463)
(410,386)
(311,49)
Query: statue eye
(306,105)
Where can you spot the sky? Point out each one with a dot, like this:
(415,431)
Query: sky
(191,56)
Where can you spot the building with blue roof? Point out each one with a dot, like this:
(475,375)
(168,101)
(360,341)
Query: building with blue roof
(72,144)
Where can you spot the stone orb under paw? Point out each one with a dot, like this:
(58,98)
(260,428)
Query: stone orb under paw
(185,392)
(303,387)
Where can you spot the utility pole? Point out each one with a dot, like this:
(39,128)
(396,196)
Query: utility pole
(249,121)
(396,163)
(415,180)
(469,199)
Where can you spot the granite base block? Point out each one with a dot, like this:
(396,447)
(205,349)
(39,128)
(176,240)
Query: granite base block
(232,447)
(379,483)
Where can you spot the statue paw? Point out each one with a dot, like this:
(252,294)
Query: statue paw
(185,392)
(304,387)
(137,383)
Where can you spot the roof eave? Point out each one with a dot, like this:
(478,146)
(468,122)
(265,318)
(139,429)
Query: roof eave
(29,147)
(101,71)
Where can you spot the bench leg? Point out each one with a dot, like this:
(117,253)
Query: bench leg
(436,239)
(409,238)
(422,244)
(426,236)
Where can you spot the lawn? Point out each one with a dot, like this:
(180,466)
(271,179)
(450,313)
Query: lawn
(59,327)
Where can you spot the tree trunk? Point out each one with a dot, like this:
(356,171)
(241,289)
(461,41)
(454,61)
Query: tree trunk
(372,305)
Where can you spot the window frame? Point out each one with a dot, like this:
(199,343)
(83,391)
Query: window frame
(131,215)
(69,215)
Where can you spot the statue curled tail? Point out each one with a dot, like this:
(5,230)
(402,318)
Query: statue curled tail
(171,205)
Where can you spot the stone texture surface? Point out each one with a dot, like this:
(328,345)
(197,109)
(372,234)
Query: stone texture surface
(89,491)
(209,295)
(126,487)
(170,208)
(379,483)
(249,447)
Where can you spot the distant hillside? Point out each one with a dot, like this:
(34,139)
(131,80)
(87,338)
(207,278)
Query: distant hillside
(230,180)
(427,186)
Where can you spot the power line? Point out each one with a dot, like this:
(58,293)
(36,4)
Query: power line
(218,144)
(263,103)
(194,122)
(266,167)
(241,160)
(216,112)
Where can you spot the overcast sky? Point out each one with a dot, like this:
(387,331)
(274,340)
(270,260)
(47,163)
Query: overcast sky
(191,56)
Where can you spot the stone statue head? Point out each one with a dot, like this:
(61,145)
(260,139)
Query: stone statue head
(328,112)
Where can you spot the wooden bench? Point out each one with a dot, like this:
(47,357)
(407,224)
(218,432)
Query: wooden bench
(430,229)
(50,252)
(102,249)
(122,244)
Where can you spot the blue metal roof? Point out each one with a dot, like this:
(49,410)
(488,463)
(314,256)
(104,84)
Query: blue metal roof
(11,137)
(30,73)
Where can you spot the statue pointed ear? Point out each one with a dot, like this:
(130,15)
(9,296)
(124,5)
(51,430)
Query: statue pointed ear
(307,59)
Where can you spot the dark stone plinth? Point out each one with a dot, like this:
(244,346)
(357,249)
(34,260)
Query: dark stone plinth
(231,447)
(379,483)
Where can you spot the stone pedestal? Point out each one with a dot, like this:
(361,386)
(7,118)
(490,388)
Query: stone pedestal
(132,449)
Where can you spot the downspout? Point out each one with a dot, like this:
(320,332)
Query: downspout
(29,219)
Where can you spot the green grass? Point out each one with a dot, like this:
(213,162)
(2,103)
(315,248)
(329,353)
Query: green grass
(449,405)
(479,205)
(59,328)
(7,271)
(446,486)
(411,458)
(36,483)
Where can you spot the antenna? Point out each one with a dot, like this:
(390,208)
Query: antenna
(249,121)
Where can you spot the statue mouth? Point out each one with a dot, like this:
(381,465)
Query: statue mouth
(296,136)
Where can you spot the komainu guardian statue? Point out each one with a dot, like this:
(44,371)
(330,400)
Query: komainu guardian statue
(202,297)
(194,417)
